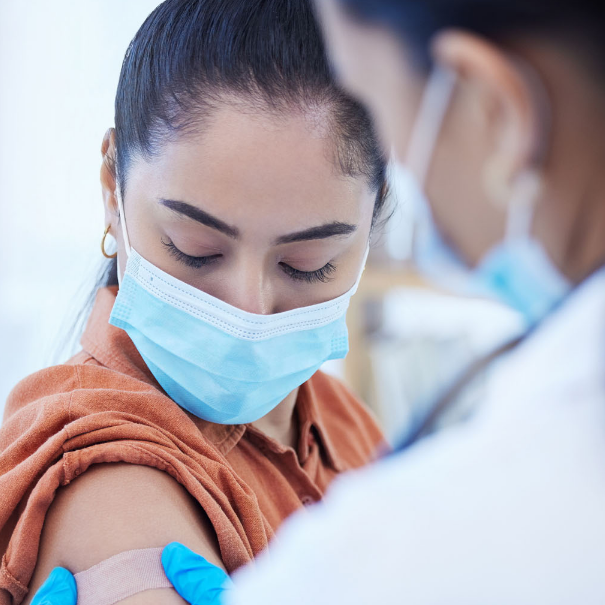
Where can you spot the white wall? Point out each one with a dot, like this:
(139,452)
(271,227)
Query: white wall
(59,67)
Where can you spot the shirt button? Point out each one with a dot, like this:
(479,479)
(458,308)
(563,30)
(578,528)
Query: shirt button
(307,500)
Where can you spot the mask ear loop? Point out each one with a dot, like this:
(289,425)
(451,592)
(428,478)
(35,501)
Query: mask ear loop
(528,185)
(519,221)
(124,229)
(522,206)
(128,247)
(434,103)
(123,220)
(429,121)
(355,286)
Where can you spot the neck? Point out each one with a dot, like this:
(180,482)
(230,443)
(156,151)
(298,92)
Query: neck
(280,423)
(575,236)
(570,218)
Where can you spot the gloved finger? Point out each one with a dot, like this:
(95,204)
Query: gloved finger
(195,579)
(59,589)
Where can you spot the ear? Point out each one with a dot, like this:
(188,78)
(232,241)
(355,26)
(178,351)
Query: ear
(507,101)
(108,179)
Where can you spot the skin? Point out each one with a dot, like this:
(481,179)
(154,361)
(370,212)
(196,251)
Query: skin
(492,132)
(266,178)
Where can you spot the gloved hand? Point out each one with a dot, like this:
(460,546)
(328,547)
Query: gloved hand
(59,589)
(196,580)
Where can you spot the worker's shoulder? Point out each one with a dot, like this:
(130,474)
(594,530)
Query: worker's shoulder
(479,473)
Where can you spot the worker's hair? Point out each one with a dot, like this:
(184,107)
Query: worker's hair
(581,23)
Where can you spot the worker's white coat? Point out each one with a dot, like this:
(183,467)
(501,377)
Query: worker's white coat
(508,508)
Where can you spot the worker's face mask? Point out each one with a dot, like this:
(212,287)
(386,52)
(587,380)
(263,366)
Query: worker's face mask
(517,271)
(223,364)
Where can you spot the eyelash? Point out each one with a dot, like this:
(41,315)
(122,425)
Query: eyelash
(191,261)
(311,277)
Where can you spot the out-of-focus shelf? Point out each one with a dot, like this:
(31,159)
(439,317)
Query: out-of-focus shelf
(376,282)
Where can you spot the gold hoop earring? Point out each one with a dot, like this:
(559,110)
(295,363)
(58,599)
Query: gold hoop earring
(103,244)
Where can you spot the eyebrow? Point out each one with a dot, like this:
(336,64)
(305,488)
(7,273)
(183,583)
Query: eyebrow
(326,231)
(321,232)
(195,213)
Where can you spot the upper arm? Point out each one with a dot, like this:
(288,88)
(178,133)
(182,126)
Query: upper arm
(117,507)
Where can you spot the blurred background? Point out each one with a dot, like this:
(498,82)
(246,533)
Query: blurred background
(59,68)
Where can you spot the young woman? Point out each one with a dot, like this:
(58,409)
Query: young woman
(241,185)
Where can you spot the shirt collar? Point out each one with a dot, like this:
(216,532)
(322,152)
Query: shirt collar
(109,345)
(313,426)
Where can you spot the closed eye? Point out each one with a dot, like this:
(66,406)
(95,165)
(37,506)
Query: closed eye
(191,261)
(311,277)
(319,275)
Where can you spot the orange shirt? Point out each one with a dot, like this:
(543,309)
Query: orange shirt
(104,405)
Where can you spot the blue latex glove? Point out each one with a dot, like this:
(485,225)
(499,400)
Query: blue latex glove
(196,580)
(59,589)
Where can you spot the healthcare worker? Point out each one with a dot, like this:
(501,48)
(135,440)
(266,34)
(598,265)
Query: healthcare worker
(496,107)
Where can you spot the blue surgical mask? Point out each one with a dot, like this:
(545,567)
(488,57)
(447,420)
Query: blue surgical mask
(517,271)
(221,363)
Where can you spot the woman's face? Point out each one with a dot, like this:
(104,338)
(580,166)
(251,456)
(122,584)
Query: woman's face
(253,211)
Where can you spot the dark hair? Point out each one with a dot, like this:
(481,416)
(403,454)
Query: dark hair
(416,21)
(192,56)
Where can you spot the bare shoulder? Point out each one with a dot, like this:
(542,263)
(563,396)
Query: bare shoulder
(117,507)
